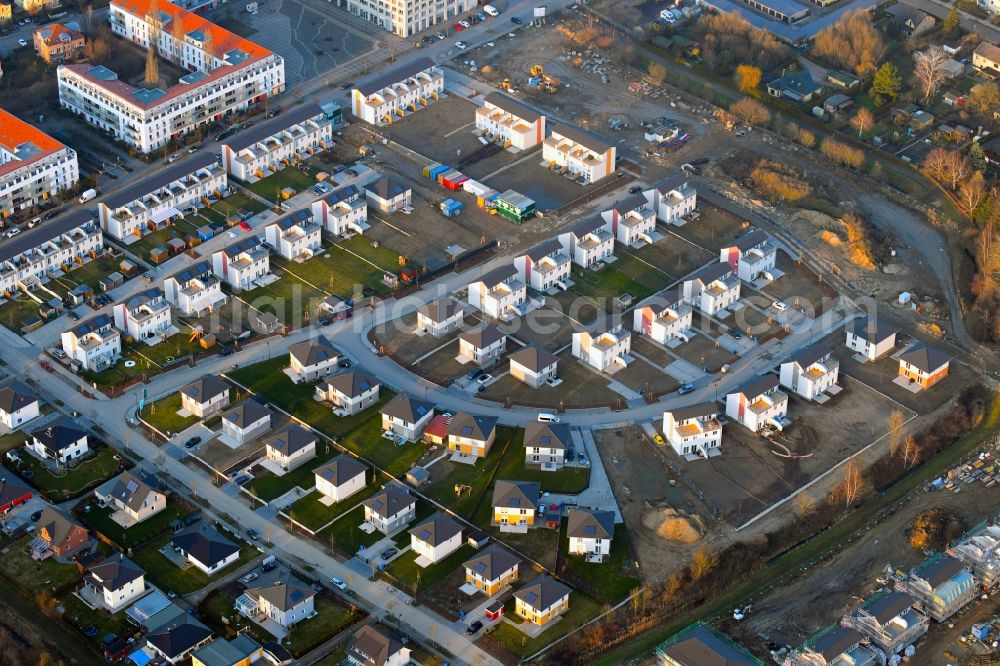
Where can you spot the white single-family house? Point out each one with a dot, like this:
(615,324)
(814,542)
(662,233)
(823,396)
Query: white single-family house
(759,404)
(533,365)
(340,478)
(246,421)
(440,316)
(390,510)
(243,263)
(388,195)
(482,345)
(752,256)
(343,211)
(204,396)
(374,645)
(693,430)
(17,406)
(811,372)
(145,316)
(284,601)
(873,339)
(406,417)
(545,444)
(435,539)
(588,242)
(295,237)
(290,447)
(544,266)
(60,442)
(93,344)
(205,548)
(590,532)
(712,288)
(311,359)
(196,290)
(350,392)
(133,499)
(663,317)
(499,293)
(604,351)
(116,582)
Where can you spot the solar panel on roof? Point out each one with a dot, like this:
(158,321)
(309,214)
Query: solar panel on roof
(544,439)
(424,535)
(590,530)
(132,486)
(466,430)
(515,501)
(480,567)
(530,597)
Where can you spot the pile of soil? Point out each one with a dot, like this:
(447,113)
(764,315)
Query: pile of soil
(935,529)
(674,525)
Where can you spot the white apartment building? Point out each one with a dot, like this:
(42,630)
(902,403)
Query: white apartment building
(93,344)
(499,293)
(397,92)
(227,73)
(350,392)
(578,153)
(672,198)
(759,404)
(278,143)
(631,221)
(544,266)
(482,345)
(59,245)
(694,430)
(295,237)
(712,288)
(343,210)
(406,17)
(510,123)
(871,340)
(195,290)
(812,372)
(604,351)
(33,165)
(435,539)
(752,256)
(155,202)
(663,317)
(145,316)
(588,242)
(242,263)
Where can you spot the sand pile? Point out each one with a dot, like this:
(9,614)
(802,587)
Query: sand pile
(673,525)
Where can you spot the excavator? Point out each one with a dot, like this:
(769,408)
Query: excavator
(545,82)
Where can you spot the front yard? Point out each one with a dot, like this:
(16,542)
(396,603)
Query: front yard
(314,514)
(69,483)
(99,520)
(581,610)
(331,618)
(346,534)
(163,415)
(366,440)
(165,574)
(612,580)
(413,579)
(270,188)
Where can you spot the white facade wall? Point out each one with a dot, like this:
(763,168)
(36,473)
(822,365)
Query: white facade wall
(343,491)
(688,436)
(665,326)
(63,252)
(438,552)
(115,599)
(77,449)
(602,351)
(589,546)
(300,241)
(146,321)
(342,216)
(275,152)
(811,381)
(406,17)
(95,350)
(500,301)
(16,419)
(38,180)
(382,106)
(869,350)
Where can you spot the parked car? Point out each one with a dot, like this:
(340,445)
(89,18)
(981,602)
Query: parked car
(49,215)
(250,577)
(226,351)
(582,459)
(464,24)
(684,390)
(193,442)
(339,584)
(344,363)
(474,628)
(461,45)
(73,315)
(458,27)
(515,20)
(346,85)
(734,333)
(22,42)
(253,534)
(439,35)
(780,306)
(389,552)
(635,189)
(483,378)
(36,516)
(268,566)
(13,232)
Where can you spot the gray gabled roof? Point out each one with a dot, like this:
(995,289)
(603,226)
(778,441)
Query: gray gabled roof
(887,606)
(591,524)
(542,592)
(205,544)
(759,386)
(436,530)
(57,525)
(544,249)
(313,352)
(751,239)
(114,573)
(33,238)
(588,225)
(130,490)
(497,275)
(874,330)
(492,562)
(512,106)
(546,435)
(205,388)
(387,188)
(938,570)
(440,310)
(466,425)
(407,409)
(516,494)
(340,470)
(482,336)
(14,398)
(389,502)
(352,383)
(812,354)
(290,440)
(284,594)
(276,125)
(11,488)
(176,639)
(58,436)
(712,272)
(534,358)
(142,187)
(246,413)
(835,643)
(585,139)
(395,75)
(700,645)
(703,409)
(924,357)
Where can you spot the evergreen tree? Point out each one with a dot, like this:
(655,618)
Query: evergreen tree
(887,83)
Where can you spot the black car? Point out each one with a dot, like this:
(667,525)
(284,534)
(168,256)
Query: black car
(474,627)
(49,215)
(73,315)
(36,516)
(635,189)
(225,351)
(516,21)
(193,442)
(346,85)
(344,363)
(389,552)
(324,321)
(734,333)
(368,292)
(253,534)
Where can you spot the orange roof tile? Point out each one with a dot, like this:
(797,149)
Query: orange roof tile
(56,29)
(15,132)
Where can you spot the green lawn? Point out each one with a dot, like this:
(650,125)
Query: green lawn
(477,476)
(627,275)
(385,257)
(569,480)
(615,578)
(99,519)
(163,416)
(219,604)
(12,440)
(148,360)
(165,574)
(331,618)
(73,483)
(346,534)
(17,310)
(33,576)
(80,615)
(337,271)
(367,441)
(234,202)
(314,514)
(581,609)
(88,274)
(289,299)
(414,578)
(270,187)
(180,229)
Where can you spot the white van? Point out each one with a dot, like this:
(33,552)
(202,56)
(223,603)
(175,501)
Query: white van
(548,418)
(491,10)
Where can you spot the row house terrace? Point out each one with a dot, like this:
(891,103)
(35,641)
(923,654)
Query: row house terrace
(48,250)
(672,199)
(397,92)
(588,242)
(343,211)
(544,266)
(295,237)
(499,293)
(145,316)
(752,256)
(155,202)
(196,290)
(278,143)
(243,263)
(510,123)
(632,221)
(663,318)
(712,289)
(579,154)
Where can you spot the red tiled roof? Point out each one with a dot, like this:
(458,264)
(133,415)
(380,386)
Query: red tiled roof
(438,427)
(15,132)
(56,29)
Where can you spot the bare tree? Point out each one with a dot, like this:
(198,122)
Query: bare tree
(972,192)
(850,487)
(929,70)
(750,111)
(851,42)
(748,77)
(947,166)
(863,120)
(910,453)
(152,65)
(657,72)
(701,563)
(895,430)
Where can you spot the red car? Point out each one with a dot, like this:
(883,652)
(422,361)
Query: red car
(458,28)
(244,226)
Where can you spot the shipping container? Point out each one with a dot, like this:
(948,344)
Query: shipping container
(454,184)
(427,170)
(436,172)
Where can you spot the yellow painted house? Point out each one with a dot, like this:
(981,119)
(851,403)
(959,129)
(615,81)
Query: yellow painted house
(542,600)
(514,504)
(492,570)
(241,651)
